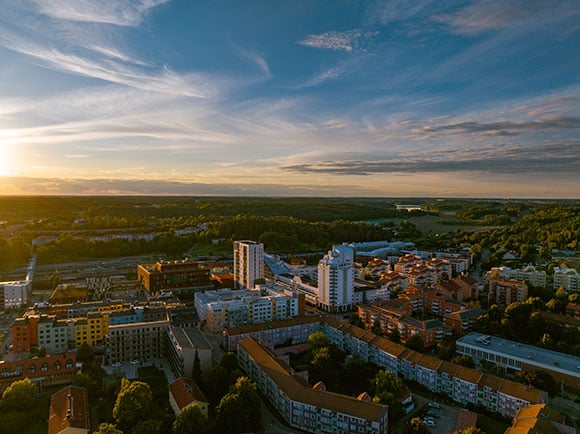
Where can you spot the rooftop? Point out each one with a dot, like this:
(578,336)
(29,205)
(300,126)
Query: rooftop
(185,391)
(69,409)
(552,360)
(190,337)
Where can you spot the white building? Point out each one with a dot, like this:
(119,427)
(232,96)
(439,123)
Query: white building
(336,279)
(14,294)
(248,263)
(566,277)
(528,274)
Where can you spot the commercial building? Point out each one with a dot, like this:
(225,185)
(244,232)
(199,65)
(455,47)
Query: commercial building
(336,279)
(69,411)
(248,264)
(304,407)
(517,356)
(184,276)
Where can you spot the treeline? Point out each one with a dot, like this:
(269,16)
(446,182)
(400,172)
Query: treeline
(14,252)
(69,248)
(290,234)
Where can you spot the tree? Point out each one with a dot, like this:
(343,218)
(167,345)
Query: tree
(239,410)
(387,386)
(317,340)
(85,354)
(540,380)
(108,428)
(134,403)
(416,426)
(376,328)
(470,430)
(191,421)
(149,426)
(416,343)
(395,335)
(196,372)
(321,358)
(463,360)
(20,395)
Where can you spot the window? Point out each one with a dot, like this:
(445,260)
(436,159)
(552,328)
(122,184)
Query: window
(44,367)
(57,366)
(69,363)
(32,369)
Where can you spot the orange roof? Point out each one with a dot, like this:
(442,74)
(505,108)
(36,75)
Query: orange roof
(491,381)
(69,408)
(468,374)
(521,391)
(185,391)
(429,362)
(296,390)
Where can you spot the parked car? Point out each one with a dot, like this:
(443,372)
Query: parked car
(429,422)
(135,361)
(433,413)
(116,365)
(434,405)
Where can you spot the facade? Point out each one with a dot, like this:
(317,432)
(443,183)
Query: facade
(141,341)
(569,278)
(184,392)
(336,279)
(457,382)
(304,407)
(505,292)
(182,344)
(178,276)
(431,331)
(69,411)
(15,294)
(25,334)
(527,274)
(462,321)
(44,371)
(248,263)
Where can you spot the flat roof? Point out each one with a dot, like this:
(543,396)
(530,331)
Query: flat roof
(190,337)
(552,360)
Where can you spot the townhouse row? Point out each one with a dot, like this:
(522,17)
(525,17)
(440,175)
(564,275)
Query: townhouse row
(463,385)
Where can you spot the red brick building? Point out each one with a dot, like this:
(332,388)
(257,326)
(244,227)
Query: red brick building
(45,371)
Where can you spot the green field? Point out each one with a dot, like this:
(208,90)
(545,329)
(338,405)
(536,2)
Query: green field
(443,223)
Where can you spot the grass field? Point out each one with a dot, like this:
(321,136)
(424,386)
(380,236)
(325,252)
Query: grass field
(442,223)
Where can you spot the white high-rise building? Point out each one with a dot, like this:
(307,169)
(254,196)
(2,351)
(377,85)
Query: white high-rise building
(248,263)
(14,294)
(336,279)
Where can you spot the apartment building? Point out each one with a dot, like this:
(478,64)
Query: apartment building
(431,331)
(14,295)
(304,407)
(248,264)
(25,334)
(527,274)
(44,371)
(461,322)
(336,279)
(505,292)
(138,341)
(569,278)
(506,398)
(182,344)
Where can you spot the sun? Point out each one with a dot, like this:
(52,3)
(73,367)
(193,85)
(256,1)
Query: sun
(6,160)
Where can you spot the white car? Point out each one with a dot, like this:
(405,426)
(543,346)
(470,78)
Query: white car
(434,405)
(135,361)
(116,365)
(429,422)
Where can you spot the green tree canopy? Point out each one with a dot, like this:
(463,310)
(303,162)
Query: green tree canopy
(464,360)
(108,428)
(416,343)
(239,410)
(317,340)
(191,421)
(416,426)
(470,430)
(20,395)
(133,403)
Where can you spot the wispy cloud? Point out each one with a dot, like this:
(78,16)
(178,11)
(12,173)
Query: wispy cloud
(117,12)
(487,15)
(258,60)
(349,41)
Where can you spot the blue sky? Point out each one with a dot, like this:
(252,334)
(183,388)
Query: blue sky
(289,97)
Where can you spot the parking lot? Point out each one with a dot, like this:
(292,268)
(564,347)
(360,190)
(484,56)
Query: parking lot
(445,423)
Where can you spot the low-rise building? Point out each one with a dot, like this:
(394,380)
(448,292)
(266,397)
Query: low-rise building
(44,371)
(69,411)
(178,276)
(184,392)
(539,419)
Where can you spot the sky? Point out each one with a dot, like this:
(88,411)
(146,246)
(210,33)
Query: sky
(418,98)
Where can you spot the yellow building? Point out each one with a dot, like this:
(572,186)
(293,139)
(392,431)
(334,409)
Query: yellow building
(91,330)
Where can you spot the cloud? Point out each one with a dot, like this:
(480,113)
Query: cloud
(547,158)
(487,15)
(58,186)
(117,12)
(508,128)
(349,41)
(258,60)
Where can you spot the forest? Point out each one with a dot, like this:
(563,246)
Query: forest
(284,225)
